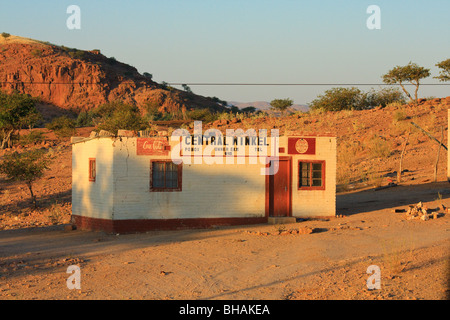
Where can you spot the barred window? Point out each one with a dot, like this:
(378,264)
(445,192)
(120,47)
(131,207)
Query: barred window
(165,176)
(311,175)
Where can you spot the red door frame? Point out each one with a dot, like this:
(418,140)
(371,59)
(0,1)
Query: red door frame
(269,188)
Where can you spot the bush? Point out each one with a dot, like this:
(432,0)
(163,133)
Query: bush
(60,123)
(383,97)
(118,115)
(379,148)
(25,167)
(337,99)
(16,111)
(36,53)
(5,35)
(34,137)
(84,119)
(62,126)
(201,115)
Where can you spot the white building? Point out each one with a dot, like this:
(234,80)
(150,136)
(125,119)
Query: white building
(131,184)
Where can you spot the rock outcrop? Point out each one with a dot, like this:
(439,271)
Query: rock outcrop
(81,80)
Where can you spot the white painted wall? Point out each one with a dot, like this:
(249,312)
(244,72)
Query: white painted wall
(122,186)
(310,203)
(208,191)
(93,199)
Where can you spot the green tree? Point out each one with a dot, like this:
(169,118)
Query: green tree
(118,115)
(186,88)
(62,126)
(148,75)
(281,104)
(249,109)
(16,111)
(411,73)
(444,74)
(337,99)
(5,35)
(25,167)
(382,97)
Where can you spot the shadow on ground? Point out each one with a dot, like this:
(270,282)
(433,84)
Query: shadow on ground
(399,196)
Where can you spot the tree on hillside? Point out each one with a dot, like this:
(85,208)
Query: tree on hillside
(118,115)
(16,111)
(411,73)
(186,88)
(281,104)
(249,109)
(337,99)
(25,167)
(382,97)
(444,74)
(148,75)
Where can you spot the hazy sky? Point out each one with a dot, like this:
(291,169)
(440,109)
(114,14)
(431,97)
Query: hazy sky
(248,41)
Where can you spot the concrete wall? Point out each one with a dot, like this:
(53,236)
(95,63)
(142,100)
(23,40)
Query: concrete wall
(93,199)
(208,191)
(122,187)
(309,203)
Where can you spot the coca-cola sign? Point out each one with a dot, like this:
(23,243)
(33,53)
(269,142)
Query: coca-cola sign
(152,147)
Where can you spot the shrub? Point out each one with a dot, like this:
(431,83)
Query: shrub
(36,53)
(16,111)
(383,97)
(34,137)
(25,167)
(60,122)
(5,35)
(337,99)
(84,119)
(118,115)
(379,148)
(201,114)
(398,116)
(62,126)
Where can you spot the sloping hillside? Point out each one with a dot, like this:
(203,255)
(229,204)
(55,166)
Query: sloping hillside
(81,80)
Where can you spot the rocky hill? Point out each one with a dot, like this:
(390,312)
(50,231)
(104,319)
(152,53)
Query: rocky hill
(81,80)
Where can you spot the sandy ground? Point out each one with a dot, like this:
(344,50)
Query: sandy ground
(241,262)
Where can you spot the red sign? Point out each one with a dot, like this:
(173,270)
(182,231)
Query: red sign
(301,145)
(152,147)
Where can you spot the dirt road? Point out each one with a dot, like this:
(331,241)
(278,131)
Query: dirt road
(243,262)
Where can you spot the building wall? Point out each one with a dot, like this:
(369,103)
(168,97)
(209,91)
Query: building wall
(89,198)
(310,203)
(121,197)
(208,191)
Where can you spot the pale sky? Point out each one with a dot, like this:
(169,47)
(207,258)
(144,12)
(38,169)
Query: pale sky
(248,41)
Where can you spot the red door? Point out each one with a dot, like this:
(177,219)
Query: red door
(280,189)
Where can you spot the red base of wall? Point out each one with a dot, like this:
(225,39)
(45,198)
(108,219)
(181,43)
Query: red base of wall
(143,225)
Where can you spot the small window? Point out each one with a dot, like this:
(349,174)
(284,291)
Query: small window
(311,175)
(165,176)
(92,169)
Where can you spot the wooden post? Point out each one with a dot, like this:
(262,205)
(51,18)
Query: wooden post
(437,158)
(400,169)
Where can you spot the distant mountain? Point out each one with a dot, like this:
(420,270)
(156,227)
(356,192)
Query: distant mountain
(265,106)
